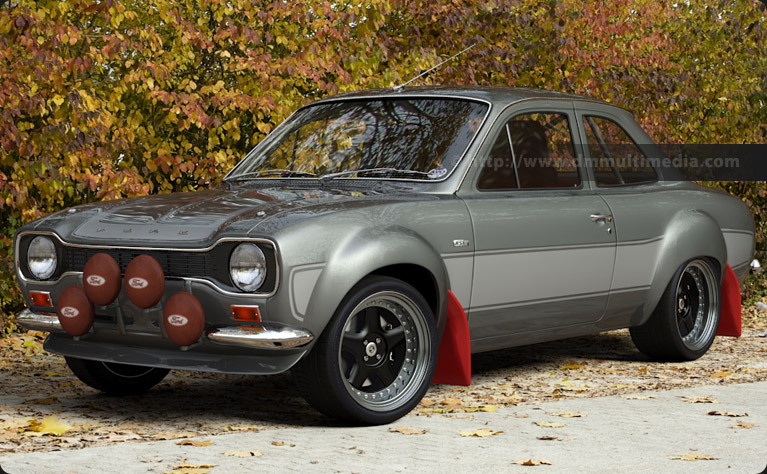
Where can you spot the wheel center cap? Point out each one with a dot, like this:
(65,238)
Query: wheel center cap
(371,349)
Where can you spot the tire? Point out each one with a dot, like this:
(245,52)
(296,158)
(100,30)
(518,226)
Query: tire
(684,324)
(116,379)
(361,368)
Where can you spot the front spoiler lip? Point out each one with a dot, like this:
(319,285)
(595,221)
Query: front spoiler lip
(268,338)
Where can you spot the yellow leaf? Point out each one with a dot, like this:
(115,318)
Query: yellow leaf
(58,100)
(693,457)
(549,424)
(244,454)
(48,426)
(568,414)
(532,462)
(50,373)
(480,433)
(719,375)
(742,424)
(189,442)
(187,468)
(699,399)
(43,401)
(407,431)
(572,365)
(278,443)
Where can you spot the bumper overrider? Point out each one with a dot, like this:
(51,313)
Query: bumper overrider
(136,315)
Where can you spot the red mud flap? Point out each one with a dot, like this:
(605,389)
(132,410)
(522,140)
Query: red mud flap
(729,321)
(454,360)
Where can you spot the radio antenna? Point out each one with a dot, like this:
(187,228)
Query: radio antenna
(396,88)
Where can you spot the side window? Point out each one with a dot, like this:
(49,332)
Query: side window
(616,159)
(541,155)
(498,168)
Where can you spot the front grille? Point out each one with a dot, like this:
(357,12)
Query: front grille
(177,264)
(211,265)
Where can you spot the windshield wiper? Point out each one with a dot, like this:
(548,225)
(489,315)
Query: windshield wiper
(275,171)
(339,174)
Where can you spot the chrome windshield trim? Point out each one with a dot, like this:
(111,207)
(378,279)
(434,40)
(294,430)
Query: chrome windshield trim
(24,279)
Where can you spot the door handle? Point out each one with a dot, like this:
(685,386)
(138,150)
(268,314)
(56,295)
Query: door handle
(601,217)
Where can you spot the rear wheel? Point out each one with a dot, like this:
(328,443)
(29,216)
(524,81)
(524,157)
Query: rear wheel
(684,324)
(116,379)
(376,358)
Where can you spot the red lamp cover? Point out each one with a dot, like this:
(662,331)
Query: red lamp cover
(75,311)
(101,279)
(183,318)
(144,281)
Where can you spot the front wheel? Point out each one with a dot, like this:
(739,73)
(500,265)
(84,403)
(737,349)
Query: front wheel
(376,358)
(114,378)
(684,324)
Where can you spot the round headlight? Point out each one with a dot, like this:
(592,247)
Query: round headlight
(41,257)
(247,267)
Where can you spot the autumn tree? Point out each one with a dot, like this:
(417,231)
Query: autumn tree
(108,99)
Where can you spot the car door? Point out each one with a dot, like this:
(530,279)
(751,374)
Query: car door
(617,149)
(544,246)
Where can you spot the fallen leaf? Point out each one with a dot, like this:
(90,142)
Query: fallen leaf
(520,415)
(572,365)
(639,397)
(719,375)
(241,428)
(50,373)
(531,462)
(549,424)
(552,438)
(166,435)
(693,457)
(568,414)
(727,413)
(43,401)
(187,468)
(189,442)
(742,424)
(48,426)
(699,399)
(407,431)
(278,443)
(244,454)
(480,433)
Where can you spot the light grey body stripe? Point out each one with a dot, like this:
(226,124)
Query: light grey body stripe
(635,263)
(565,247)
(539,300)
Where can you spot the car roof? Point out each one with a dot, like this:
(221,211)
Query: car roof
(494,95)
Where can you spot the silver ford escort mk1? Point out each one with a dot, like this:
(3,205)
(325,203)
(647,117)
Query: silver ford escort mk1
(378,238)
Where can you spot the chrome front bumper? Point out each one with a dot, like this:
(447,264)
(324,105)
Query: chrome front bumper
(284,338)
(32,321)
(258,338)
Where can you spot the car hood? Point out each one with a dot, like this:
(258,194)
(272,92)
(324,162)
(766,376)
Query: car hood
(201,216)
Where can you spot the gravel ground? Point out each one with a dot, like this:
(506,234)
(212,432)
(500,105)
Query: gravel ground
(44,408)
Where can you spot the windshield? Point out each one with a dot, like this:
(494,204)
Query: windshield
(419,139)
